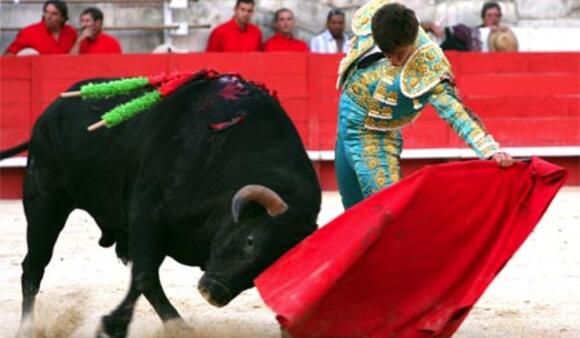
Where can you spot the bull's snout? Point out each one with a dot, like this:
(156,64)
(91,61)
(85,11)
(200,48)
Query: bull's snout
(214,292)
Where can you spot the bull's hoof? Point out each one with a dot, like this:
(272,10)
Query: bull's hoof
(112,327)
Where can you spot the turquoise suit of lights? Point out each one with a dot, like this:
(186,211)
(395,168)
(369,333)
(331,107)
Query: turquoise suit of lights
(379,100)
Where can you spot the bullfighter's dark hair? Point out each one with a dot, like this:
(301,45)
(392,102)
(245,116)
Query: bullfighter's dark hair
(238,2)
(394,26)
(489,5)
(280,11)
(94,12)
(60,5)
(333,12)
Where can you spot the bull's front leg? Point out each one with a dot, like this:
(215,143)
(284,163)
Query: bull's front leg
(147,251)
(146,256)
(154,293)
(116,323)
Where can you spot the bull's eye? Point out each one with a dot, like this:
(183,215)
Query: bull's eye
(250,242)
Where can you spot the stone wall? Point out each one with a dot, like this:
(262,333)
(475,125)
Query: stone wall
(310,15)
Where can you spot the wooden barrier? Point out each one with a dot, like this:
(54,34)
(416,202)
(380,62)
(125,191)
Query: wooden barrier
(526,100)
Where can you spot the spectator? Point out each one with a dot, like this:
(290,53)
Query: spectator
(238,34)
(492,28)
(333,39)
(49,36)
(491,15)
(464,38)
(284,40)
(503,41)
(91,39)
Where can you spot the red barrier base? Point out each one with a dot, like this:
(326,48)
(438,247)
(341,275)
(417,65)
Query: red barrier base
(11,183)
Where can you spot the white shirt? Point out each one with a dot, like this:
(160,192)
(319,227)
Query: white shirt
(484,35)
(325,43)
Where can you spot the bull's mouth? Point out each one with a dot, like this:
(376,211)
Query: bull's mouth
(215,292)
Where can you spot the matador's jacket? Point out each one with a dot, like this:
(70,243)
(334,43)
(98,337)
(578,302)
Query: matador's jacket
(378,100)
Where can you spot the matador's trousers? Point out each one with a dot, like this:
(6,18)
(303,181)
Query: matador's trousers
(366,161)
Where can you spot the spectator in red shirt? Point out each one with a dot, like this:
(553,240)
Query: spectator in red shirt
(284,40)
(49,36)
(91,39)
(238,34)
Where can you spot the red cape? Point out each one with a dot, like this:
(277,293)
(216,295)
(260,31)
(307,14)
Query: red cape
(412,260)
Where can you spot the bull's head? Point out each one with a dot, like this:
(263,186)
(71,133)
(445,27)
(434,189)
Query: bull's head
(260,230)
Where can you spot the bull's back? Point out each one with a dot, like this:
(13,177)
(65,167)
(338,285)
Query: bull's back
(89,165)
(210,139)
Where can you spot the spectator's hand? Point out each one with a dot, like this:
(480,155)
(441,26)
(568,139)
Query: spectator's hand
(502,159)
(435,28)
(498,28)
(87,33)
(438,30)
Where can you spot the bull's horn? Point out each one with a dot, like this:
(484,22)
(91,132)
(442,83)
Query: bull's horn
(260,194)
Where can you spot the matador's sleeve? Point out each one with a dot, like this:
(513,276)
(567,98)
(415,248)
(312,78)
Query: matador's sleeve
(466,124)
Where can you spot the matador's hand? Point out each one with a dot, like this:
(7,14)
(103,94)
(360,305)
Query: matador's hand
(502,159)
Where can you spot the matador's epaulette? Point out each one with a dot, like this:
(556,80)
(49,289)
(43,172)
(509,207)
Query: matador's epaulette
(424,70)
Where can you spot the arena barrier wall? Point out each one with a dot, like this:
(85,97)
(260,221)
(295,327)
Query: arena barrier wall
(529,101)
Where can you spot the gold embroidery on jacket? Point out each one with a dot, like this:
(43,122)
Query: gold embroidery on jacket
(391,73)
(384,114)
(426,67)
(416,104)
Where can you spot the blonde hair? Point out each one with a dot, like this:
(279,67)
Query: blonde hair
(503,40)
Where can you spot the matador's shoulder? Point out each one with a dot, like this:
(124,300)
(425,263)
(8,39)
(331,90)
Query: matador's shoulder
(426,67)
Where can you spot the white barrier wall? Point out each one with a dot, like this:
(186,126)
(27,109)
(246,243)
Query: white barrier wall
(548,39)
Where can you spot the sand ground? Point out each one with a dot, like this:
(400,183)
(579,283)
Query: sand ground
(536,295)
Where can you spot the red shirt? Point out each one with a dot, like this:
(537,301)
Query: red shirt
(281,43)
(38,36)
(229,37)
(102,44)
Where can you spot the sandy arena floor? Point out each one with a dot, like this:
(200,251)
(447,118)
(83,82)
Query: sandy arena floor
(536,295)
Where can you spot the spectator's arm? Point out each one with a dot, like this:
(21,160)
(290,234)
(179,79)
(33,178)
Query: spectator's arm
(85,33)
(467,125)
(19,43)
(76,47)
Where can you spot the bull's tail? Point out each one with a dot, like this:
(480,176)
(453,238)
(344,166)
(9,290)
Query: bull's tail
(14,150)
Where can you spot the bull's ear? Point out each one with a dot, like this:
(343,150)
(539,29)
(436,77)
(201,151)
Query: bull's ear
(260,194)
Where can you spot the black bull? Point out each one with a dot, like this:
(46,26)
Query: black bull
(213,176)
